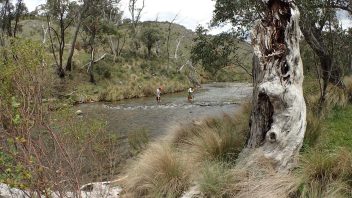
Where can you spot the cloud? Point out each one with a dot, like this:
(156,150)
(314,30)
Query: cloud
(190,13)
(345,19)
(32,4)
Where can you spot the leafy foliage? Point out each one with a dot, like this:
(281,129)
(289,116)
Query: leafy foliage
(213,52)
(149,37)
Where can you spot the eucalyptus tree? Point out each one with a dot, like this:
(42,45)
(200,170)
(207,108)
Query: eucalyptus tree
(150,36)
(78,11)
(10,13)
(59,20)
(135,8)
(111,14)
(317,18)
(96,24)
(214,52)
(278,119)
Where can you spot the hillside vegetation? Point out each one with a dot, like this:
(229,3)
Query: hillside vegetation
(134,74)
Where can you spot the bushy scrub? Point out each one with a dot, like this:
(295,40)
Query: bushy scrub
(44,150)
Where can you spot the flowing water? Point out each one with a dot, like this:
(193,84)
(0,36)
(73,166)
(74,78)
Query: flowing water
(145,114)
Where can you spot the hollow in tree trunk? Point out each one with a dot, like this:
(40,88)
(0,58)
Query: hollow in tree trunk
(278,119)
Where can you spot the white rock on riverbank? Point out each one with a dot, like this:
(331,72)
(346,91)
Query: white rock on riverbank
(91,190)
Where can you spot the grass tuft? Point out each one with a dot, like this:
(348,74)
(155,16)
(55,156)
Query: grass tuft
(215,138)
(216,180)
(348,83)
(159,172)
(325,174)
(313,131)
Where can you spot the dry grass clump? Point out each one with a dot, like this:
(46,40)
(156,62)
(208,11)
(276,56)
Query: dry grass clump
(348,83)
(162,171)
(221,139)
(216,179)
(313,131)
(159,172)
(253,179)
(336,97)
(215,138)
(326,174)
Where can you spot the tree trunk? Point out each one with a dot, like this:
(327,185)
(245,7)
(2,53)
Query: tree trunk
(45,31)
(17,19)
(177,47)
(329,73)
(90,66)
(278,119)
(149,48)
(113,47)
(72,49)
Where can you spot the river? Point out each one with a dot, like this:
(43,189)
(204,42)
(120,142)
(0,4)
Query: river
(145,114)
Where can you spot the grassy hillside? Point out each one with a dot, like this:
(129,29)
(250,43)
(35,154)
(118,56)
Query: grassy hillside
(132,74)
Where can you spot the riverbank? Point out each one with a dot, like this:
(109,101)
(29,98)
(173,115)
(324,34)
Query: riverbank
(79,91)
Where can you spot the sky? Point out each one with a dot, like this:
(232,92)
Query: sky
(190,12)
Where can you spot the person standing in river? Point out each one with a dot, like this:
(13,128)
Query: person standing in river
(158,93)
(190,94)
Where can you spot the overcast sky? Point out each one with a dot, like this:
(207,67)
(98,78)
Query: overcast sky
(190,12)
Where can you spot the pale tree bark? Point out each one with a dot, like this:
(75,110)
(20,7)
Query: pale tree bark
(177,47)
(45,31)
(113,47)
(168,42)
(278,119)
(135,12)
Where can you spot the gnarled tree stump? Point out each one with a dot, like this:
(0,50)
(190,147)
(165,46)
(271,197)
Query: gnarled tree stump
(278,119)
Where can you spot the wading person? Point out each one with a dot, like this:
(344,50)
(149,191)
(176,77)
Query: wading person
(158,93)
(190,94)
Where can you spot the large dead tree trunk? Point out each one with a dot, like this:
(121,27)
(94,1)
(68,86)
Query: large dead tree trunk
(278,119)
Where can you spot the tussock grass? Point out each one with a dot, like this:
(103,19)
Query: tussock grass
(216,179)
(256,179)
(160,172)
(336,97)
(221,139)
(326,174)
(215,138)
(313,131)
(348,83)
